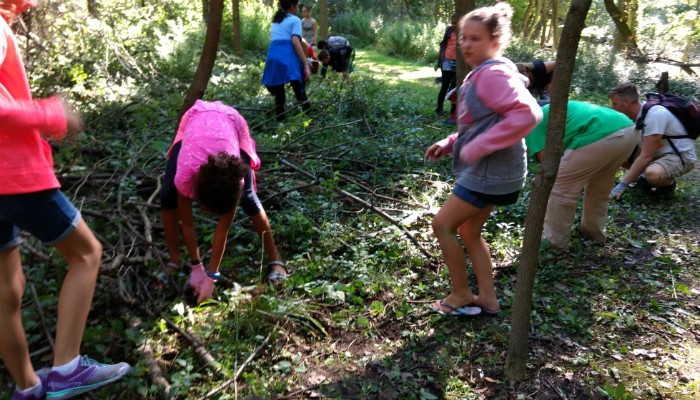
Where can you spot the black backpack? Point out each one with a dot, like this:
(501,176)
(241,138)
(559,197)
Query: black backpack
(686,112)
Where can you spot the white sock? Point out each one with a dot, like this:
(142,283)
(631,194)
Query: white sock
(36,389)
(67,368)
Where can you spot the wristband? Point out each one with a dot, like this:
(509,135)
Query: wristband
(213,276)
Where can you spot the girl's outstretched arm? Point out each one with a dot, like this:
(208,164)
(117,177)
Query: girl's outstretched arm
(45,115)
(189,233)
(220,236)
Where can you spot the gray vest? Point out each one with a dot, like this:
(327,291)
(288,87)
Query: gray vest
(502,171)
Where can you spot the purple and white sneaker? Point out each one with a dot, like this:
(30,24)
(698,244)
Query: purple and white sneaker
(41,374)
(88,375)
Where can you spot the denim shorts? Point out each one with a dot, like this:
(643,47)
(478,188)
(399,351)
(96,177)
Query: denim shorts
(483,200)
(47,214)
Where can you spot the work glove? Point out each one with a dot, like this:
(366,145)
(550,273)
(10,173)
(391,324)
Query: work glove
(197,277)
(619,189)
(206,290)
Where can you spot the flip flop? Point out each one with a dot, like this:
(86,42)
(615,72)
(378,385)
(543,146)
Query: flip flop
(277,277)
(464,311)
(485,311)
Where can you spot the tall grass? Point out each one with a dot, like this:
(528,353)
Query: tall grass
(411,39)
(359,27)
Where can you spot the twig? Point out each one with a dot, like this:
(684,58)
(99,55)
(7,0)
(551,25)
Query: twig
(317,130)
(39,254)
(554,388)
(296,392)
(41,317)
(198,345)
(239,371)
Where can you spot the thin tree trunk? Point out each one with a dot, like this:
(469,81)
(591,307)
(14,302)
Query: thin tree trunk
(543,39)
(621,25)
(323,29)
(92,8)
(436,11)
(236,16)
(689,40)
(205,11)
(206,62)
(618,39)
(541,188)
(555,24)
(462,8)
(527,16)
(533,24)
(633,9)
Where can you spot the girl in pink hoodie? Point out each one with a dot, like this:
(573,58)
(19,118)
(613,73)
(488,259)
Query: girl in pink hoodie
(495,112)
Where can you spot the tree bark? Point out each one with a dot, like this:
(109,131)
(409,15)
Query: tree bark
(632,9)
(662,84)
(543,39)
(236,16)
(436,11)
(323,29)
(533,24)
(205,11)
(621,25)
(527,16)
(92,8)
(206,61)
(555,24)
(462,8)
(541,188)
(618,39)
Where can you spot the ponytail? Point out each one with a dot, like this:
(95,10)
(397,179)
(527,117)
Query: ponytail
(281,14)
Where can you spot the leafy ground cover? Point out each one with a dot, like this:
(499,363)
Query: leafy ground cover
(352,322)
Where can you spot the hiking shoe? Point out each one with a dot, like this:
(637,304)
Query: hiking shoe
(42,375)
(642,184)
(88,375)
(666,192)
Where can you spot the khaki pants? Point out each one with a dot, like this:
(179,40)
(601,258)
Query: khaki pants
(592,167)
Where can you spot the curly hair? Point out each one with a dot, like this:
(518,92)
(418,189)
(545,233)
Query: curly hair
(496,18)
(218,185)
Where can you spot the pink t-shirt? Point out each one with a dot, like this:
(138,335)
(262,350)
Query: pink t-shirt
(26,164)
(210,128)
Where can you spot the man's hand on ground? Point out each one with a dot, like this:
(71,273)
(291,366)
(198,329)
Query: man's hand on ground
(619,190)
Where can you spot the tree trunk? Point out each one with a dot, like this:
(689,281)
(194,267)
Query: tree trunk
(662,84)
(555,24)
(462,8)
(436,11)
(621,25)
(527,16)
(632,10)
(323,26)
(236,16)
(541,188)
(618,39)
(206,62)
(543,39)
(689,40)
(205,11)
(533,24)
(92,8)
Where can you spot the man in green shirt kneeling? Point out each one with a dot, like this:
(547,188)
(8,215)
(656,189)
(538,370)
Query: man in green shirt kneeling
(597,142)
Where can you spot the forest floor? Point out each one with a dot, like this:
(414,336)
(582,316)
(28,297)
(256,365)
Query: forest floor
(353,321)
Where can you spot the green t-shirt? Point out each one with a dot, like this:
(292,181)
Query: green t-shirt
(585,124)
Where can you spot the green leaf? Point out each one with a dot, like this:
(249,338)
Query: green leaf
(300,369)
(601,391)
(362,321)
(427,396)
(377,308)
(610,389)
(620,390)
(683,289)
(635,243)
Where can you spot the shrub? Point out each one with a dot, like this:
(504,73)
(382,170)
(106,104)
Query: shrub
(410,39)
(359,27)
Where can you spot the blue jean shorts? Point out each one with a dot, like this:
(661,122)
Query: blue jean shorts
(47,215)
(483,200)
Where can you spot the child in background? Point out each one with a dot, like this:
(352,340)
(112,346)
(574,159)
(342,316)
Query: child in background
(447,59)
(212,159)
(495,112)
(308,26)
(30,200)
(540,75)
(286,61)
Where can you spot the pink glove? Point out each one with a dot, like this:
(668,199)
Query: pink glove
(197,277)
(206,290)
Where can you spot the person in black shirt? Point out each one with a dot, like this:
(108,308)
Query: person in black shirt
(338,58)
(540,75)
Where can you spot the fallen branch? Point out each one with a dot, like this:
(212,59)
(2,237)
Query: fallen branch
(318,130)
(238,372)
(197,344)
(47,332)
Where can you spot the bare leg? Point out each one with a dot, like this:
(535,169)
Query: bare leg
(83,252)
(171,226)
(13,342)
(656,175)
(451,216)
(262,226)
(478,251)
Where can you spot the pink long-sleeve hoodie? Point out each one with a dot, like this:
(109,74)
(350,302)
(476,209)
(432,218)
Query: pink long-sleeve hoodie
(26,164)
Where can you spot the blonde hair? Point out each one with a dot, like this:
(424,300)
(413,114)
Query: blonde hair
(496,19)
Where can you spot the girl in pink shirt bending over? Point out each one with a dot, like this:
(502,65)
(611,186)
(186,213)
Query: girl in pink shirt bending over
(30,200)
(494,114)
(212,160)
